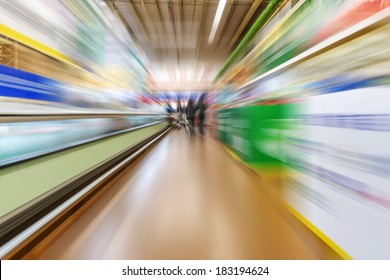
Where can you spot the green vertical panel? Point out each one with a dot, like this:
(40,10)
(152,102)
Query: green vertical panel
(260,120)
(224,129)
(255,133)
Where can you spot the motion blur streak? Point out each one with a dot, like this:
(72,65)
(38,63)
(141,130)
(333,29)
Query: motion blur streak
(318,125)
(304,103)
(77,48)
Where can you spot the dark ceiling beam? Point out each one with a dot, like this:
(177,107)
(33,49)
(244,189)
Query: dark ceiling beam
(193,15)
(161,20)
(139,18)
(181,26)
(244,22)
(152,22)
(172,16)
(201,29)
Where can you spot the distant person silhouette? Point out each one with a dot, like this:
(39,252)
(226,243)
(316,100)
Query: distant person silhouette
(190,111)
(201,107)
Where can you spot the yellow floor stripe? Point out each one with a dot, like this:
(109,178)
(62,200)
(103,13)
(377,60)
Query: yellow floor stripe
(19,37)
(306,222)
(236,157)
(318,232)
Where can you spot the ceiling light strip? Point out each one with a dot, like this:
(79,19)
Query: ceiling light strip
(217,19)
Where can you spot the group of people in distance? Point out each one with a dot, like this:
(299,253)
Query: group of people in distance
(194,111)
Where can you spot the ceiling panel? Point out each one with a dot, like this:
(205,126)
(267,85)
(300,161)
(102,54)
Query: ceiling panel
(174,36)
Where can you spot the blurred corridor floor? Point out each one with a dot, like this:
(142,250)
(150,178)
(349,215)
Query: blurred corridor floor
(187,199)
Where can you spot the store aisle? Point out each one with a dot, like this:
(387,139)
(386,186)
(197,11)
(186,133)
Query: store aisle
(187,199)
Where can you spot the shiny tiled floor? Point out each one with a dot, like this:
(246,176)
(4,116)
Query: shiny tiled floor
(187,199)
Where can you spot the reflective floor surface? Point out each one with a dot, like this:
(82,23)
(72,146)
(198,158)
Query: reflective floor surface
(188,199)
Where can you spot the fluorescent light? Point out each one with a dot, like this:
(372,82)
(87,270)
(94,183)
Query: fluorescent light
(217,19)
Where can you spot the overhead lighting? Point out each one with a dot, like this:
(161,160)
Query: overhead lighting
(217,19)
